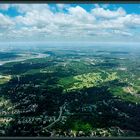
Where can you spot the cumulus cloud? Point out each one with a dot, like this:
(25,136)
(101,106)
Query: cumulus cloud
(5,22)
(40,21)
(81,14)
(23,8)
(106,13)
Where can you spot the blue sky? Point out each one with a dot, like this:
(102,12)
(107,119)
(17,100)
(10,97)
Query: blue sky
(70,22)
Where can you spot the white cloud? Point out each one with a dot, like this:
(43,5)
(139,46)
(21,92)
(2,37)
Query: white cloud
(131,20)
(37,16)
(23,8)
(4,7)
(62,7)
(5,22)
(102,13)
(81,14)
(40,21)
(124,33)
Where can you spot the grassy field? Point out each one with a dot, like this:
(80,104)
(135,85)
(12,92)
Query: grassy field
(125,95)
(85,81)
(4,79)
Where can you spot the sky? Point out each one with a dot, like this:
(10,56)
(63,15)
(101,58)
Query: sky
(70,23)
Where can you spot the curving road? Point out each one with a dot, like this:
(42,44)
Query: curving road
(58,119)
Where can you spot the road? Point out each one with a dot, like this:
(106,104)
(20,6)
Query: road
(58,119)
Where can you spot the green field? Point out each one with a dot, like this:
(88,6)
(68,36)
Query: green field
(4,79)
(85,81)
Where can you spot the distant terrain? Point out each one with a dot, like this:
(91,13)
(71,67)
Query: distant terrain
(70,91)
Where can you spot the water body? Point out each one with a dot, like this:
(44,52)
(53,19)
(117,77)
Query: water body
(24,57)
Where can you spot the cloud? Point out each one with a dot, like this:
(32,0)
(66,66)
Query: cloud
(131,20)
(5,22)
(124,33)
(4,7)
(24,8)
(39,21)
(62,7)
(81,14)
(102,13)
